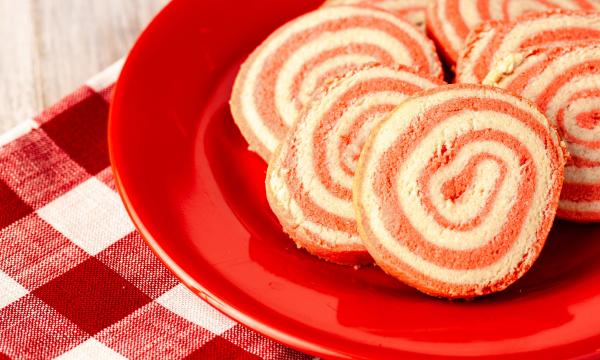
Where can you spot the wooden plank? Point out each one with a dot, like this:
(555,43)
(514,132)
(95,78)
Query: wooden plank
(78,38)
(52,47)
(19,94)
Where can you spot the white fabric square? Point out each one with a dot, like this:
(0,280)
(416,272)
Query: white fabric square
(91,349)
(91,215)
(10,290)
(186,304)
(106,77)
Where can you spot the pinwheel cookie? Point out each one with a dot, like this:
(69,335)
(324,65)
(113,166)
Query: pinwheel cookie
(276,81)
(456,191)
(411,10)
(309,180)
(565,84)
(493,41)
(450,21)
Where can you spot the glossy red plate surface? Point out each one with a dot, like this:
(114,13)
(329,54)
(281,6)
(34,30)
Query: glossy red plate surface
(197,196)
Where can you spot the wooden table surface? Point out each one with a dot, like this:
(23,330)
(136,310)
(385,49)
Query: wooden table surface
(50,47)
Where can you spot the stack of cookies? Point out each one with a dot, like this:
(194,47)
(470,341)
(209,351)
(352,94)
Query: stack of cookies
(450,188)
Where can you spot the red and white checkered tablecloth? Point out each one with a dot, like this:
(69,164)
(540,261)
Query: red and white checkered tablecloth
(76,279)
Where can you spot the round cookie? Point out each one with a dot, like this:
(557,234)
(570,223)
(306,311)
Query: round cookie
(456,191)
(450,21)
(280,75)
(565,84)
(309,180)
(412,11)
(493,41)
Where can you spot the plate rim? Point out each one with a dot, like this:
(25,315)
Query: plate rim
(248,320)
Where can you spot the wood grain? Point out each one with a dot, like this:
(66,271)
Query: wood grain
(50,47)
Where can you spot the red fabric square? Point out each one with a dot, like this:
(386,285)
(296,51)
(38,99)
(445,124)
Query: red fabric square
(154,332)
(12,208)
(33,252)
(81,131)
(219,348)
(63,105)
(261,346)
(30,329)
(38,170)
(92,296)
(132,259)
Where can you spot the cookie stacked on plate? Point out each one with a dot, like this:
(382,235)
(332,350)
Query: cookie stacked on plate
(450,188)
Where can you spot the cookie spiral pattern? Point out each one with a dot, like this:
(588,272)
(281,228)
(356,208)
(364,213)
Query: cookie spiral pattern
(411,10)
(309,180)
(280,75)
(565,84)
(493,41)
(456,191)
(450,21)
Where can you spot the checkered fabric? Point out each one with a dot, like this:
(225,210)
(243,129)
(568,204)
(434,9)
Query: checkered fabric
(76,279)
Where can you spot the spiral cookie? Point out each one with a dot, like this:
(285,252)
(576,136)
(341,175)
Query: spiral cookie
(412,11)
(565,84)
(277,79)
(309,181)
(493,41)
(456,191)
(450,21)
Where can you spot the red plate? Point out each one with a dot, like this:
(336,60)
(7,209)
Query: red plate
(197,196)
